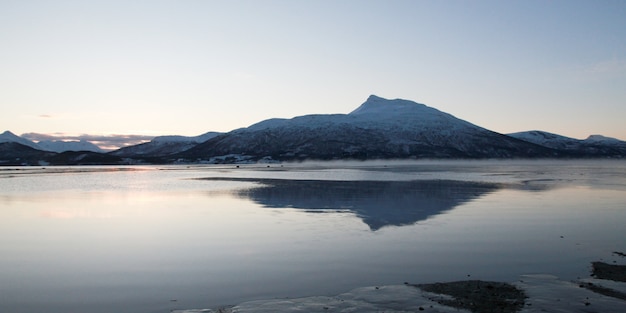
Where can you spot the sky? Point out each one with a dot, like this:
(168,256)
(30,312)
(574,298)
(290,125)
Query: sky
(138,69)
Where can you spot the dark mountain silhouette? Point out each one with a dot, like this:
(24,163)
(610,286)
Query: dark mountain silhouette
(13,153)
(377,203)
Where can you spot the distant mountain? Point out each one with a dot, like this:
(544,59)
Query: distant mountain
(62,146)
(8,136)
(84,158)
(14,153)
(599,139)
(15,150)
(51,145)
(163,146)
(547,139)
(594,145)
(379,128)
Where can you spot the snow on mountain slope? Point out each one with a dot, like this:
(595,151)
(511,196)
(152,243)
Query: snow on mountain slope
(599,139)
(164,145)
(379,128)
(594,145)
(376,112)
(547,139)
(175,138)
(406,116)
(380,107)
(50,145)
(62,146)
(8,136)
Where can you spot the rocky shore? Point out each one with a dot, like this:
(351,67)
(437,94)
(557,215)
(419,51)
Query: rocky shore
(603,291)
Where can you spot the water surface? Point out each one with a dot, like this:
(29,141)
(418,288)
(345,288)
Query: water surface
(152,239)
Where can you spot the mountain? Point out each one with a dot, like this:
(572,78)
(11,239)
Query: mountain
(84,158)
(547,139)
(593,146)
(599,139)
(62,146)
(379,128)
(15,150)
(14,153)
(50,145)
(163,146)
(8,136)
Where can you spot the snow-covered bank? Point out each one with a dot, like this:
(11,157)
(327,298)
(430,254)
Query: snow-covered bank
(544,293)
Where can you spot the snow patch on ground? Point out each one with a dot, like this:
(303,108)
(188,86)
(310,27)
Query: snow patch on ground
(545,293)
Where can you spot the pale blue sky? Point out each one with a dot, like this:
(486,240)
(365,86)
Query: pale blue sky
(188,67)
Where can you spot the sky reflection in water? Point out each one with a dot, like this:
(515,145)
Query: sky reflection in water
(132,240)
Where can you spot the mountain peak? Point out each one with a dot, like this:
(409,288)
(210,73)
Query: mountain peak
(7,134)
(376,105)
(373,98)
(600,138)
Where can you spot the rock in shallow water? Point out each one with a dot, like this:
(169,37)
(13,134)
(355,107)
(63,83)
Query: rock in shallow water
(533,293)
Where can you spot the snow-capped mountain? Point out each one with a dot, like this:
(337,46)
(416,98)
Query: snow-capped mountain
(379,128)
(62,146)
(15,150)
(175,138)
(164,145)
(594,145)
(8,136)
(547,139)
(599,139)
(50,145)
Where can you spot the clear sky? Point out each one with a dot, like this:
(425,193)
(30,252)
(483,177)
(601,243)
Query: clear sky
(187,67)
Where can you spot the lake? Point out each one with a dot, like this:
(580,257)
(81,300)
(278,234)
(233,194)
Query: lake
(158,238)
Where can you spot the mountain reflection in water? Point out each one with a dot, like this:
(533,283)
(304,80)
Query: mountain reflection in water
(377,203)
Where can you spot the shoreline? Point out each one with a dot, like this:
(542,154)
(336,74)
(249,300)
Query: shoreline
(603,291)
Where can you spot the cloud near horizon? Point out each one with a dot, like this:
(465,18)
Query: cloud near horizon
(105,142)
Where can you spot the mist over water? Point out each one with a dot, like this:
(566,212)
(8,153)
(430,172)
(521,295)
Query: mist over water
(152,239)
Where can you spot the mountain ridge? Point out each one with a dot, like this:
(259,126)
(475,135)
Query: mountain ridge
(58,146)
(594,145)
(377,129)
(161,146)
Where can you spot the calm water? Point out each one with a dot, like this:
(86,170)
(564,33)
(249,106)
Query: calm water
(153,239)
